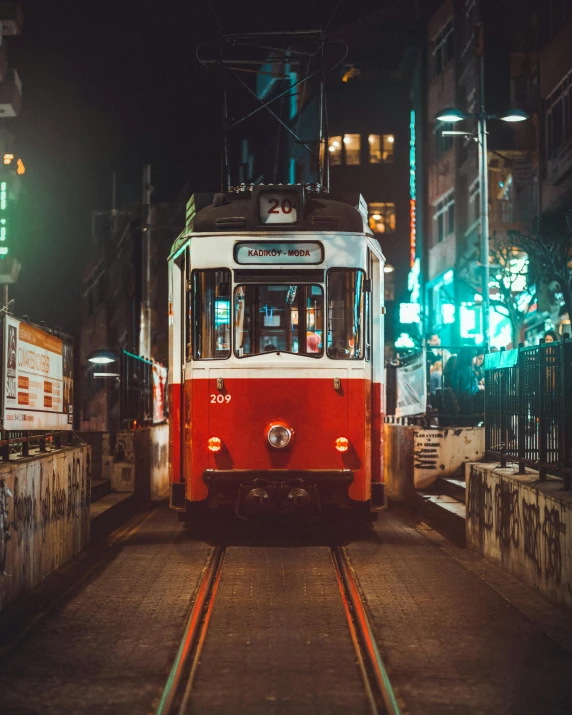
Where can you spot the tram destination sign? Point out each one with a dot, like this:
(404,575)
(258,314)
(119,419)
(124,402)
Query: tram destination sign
(285,252)
(37,378)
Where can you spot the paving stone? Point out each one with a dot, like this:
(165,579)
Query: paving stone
(109,648)
(451,642)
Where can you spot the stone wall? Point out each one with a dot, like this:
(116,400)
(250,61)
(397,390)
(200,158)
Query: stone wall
(523,525)
(44,516)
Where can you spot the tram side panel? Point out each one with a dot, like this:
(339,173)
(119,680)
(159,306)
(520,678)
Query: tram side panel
(175,372)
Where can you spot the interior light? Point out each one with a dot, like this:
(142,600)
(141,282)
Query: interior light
(390,138)
(342,444)
(332,148)
(451,115)
(106,374)
(8,158)
(515,115)
(388,268)
(347,140)
(377,217)
(214,444)
(336,144)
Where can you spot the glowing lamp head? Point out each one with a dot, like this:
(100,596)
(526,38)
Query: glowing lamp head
(514,115)
(342,444)
(279,436)
(451,115)
(214,444)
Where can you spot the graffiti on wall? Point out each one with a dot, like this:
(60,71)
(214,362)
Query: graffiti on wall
(43,493)
(514,512)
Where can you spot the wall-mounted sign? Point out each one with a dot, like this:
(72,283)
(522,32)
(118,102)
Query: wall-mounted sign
(37,379)
(255,252)
(278,207)
(412,192)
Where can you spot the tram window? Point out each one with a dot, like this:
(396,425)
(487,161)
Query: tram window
(346,308)
(352,146)
(284,318)
(211,314)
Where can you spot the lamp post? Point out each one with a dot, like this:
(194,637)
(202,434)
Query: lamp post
(452,115)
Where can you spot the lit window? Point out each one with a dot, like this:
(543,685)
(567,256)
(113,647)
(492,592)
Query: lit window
(352,146)
(382,217)
(335,149)
(381,148)
(444,217)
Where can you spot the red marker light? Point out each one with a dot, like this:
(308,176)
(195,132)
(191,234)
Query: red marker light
(214,444)
(342,444)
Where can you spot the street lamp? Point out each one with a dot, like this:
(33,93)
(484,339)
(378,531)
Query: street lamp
(102,357)
(452,115)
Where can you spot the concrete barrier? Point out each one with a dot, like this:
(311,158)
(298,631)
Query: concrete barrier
(44,517)
(133,460)
(415,456)
(523,525)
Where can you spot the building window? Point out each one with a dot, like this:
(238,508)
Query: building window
(443,47)
(352,148)
(474,202)
(335,149)
(345,149)
(559,117)
(382,217)
(444,217)
(443,142)
(381,148)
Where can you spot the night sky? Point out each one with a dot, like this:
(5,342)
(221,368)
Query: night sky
(112,85)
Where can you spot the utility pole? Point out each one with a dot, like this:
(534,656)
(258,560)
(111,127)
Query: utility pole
(484,186)
(145,323)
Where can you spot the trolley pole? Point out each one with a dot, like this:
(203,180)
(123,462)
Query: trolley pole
(484,186)
(145,322)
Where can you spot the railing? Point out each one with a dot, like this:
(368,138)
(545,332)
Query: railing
(19,445)
(528,408)
(136,390)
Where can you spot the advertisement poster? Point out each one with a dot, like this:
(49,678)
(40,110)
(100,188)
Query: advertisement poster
(159,393)
(411,386)
(37,379)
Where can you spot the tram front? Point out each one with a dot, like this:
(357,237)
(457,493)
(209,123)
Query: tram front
(276,301)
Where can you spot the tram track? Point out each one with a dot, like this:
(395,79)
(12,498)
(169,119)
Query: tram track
(177,694)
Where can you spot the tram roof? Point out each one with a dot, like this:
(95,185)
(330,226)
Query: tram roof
(238,210)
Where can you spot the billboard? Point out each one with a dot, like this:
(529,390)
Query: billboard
(159,393)
(37,378)
(412,385)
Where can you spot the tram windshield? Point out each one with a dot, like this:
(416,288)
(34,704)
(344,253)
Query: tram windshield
(279,318)
(346,314)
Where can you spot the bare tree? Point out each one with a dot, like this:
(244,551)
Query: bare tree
(549,248)
(515,293)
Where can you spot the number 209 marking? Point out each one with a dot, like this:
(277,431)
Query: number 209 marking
(219,399)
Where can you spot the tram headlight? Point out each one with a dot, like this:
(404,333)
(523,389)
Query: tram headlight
(342,444)
(214,444)
(279,436)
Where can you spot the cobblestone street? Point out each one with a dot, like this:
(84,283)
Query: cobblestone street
(457,634)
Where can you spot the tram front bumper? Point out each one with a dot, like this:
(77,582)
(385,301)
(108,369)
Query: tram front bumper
(282,491)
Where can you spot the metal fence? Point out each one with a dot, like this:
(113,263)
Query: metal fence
(528,408)
(136,390)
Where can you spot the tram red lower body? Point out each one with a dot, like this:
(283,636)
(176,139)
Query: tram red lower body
(240,412)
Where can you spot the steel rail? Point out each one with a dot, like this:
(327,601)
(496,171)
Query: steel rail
(195,629)
(366,646)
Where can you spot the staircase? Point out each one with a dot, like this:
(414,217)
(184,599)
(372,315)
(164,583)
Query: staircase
(108,510)
(443,507)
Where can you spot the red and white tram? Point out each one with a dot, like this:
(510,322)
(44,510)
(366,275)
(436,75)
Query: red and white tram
(276,354)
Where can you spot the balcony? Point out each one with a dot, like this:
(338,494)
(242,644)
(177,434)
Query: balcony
(561,165)
(442,256)
(10,95)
